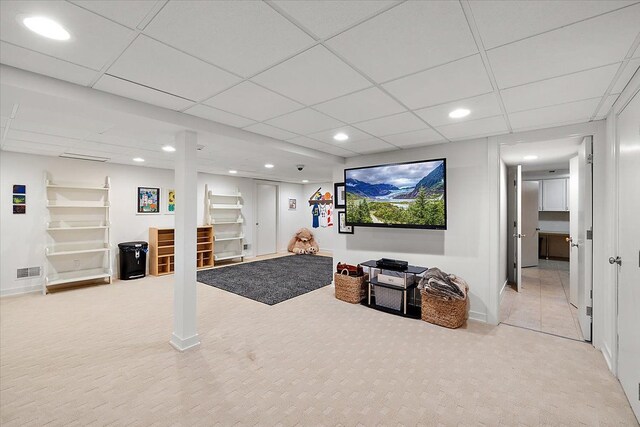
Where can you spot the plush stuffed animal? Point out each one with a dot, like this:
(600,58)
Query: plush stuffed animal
(303,243)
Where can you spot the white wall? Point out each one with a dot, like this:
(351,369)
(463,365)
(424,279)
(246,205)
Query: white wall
(23,237)
(504,243)
(463,248)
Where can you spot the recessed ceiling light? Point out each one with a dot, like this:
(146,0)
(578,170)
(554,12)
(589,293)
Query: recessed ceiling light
(459,113)
(169,148)
(138,159)
(268,166)
(305,181)
(530,157)
(46,27)
(233,171)
(340,136)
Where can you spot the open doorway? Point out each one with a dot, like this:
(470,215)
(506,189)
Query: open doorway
(548,193)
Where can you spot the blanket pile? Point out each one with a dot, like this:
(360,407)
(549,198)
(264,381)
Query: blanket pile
(438,283)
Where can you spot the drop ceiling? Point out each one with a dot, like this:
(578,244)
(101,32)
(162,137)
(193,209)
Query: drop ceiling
(387,73)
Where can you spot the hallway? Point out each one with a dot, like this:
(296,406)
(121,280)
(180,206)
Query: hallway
(543,305)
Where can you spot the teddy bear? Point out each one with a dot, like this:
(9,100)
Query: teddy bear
(303,243)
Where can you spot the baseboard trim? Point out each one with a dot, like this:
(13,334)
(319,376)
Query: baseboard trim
(504,286)
(608,358)
(20,291)
(480,317)
(185,344)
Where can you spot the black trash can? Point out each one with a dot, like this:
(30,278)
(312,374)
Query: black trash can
(133,260)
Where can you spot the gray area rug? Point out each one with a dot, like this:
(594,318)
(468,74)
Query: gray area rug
(274,280)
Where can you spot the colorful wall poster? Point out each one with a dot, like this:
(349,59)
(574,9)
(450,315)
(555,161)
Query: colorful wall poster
(148,200)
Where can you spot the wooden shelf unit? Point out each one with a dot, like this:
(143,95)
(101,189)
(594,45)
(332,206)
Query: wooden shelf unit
(162,250)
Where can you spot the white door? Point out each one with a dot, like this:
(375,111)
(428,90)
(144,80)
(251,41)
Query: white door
(266,223)
(585,246)
(529,223)
(629,251)
(574,181)
(517,235)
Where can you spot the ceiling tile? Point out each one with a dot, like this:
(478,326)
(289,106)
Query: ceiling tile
(131,90)
(219,116)
(94,40)
(327,135)
(588,44)
(364,105)
(42,64)
(408,38)
(129,13)
(314,76)
(474,128)
(271,131)
(420,137)
(398,123)
(457,80)
(327,17)
(321,146)
(572,112)
(250,100)
(606,106)
(627,73)
(370,145)
(559,90)
(241,36)
(480,106)
(161,67)
(304,122)
(501,22)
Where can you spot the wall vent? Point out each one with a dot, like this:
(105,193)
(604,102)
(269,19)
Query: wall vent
(25,273)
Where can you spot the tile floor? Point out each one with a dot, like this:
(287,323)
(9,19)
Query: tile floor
(543,304)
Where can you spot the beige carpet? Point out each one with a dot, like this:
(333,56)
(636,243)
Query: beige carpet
(100,356)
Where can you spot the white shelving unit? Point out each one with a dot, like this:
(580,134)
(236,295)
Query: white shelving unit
(78,247)
(224,212)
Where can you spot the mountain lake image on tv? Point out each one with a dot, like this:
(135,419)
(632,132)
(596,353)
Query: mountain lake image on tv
(403,195)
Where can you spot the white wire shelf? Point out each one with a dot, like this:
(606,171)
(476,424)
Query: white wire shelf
(77,276)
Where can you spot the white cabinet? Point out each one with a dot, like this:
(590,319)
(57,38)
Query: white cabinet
(224,211)
(554,195)
(78,247)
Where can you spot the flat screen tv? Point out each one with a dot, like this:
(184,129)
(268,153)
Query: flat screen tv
(401,195)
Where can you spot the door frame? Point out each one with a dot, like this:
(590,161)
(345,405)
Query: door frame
(256,183)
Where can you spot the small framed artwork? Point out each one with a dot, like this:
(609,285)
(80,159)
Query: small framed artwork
(343,228)
(19,189)
(148,200)
(171,201)
(19,199)
(340,195)
(19,209)
(292,204)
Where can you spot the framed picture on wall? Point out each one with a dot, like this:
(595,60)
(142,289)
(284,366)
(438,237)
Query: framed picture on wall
(171,201)
(340,195)
(342,221)
(292,204)
(148,200)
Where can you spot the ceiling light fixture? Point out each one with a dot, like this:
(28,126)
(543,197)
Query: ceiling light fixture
(268,166)
(138,159)
(233,171)
(530,157)
(459,113)
(304,181)
(168,148)
(341,136)
(46,28)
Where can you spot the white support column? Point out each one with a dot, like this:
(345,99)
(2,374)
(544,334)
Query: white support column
(184,288)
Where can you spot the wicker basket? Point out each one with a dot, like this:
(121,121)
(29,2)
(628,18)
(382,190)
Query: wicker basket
(447,312)
(350,289)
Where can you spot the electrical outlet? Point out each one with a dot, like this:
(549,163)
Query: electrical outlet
(245,246)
